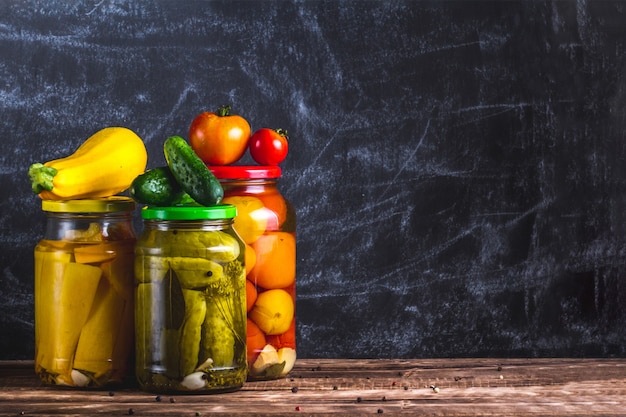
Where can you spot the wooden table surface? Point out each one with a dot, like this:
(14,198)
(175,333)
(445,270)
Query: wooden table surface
(425,387)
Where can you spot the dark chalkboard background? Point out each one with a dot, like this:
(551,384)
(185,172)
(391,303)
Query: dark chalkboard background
(458,168)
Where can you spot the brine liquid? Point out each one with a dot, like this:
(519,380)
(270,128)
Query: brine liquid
(190,311)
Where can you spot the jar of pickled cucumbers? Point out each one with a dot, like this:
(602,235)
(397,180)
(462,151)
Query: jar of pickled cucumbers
(84,313)
(266,222)
(190,301)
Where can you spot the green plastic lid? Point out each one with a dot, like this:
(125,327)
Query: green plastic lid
(218,212)
(89,205)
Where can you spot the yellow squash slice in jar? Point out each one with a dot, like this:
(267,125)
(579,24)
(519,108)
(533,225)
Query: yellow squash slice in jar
(74,292)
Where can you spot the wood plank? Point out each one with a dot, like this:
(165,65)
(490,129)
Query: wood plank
(437,387)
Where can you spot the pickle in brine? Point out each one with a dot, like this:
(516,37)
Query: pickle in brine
(149,325)
(151,268)
(196,273)
(218,343)
(195,312)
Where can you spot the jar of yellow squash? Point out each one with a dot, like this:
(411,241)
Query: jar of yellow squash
(266,222)
(84,300)
(190,312)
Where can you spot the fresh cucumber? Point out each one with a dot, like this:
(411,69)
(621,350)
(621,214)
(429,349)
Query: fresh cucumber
(191,173)
(184,200)
(156,187)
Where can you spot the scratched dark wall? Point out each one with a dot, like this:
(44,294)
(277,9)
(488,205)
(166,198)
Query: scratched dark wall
(458,168)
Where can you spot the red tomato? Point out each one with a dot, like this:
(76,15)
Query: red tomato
(219,138)
(268,146)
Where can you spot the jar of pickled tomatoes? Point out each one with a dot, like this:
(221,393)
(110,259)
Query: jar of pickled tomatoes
(84,299)
(266,222)
(190,312)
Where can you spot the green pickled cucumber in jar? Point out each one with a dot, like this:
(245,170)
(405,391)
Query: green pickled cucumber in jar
(214,245)
(190,305)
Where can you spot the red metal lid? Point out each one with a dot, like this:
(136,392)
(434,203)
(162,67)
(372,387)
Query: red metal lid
(232,172)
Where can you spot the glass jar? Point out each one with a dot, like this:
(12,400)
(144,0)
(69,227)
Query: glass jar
(266,222)
(84,292)
(190,313)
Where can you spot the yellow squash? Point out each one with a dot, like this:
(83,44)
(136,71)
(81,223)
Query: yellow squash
(104,165)
(96,344)
(72,295)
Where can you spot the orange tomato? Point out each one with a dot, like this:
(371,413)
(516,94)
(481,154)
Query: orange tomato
(287,339)
(251,220)
(250,258)
(255,341)
(219,138)
(275,265)
(275,206)
(273,311)
(251,295)
(274,202)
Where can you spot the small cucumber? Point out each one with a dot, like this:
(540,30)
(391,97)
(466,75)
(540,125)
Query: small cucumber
(191,173)
(156,187)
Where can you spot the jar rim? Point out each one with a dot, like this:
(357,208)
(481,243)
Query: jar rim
(111,204)
(232,172)
(217,212)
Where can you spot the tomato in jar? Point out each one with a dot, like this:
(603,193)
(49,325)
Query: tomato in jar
(266,222)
